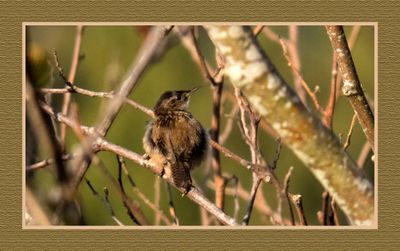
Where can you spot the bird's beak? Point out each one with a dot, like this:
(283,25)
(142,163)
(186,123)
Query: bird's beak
(193,90)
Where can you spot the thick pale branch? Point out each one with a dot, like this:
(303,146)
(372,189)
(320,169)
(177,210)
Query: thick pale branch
(250,69)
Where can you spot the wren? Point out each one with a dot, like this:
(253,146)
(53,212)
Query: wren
(174,140)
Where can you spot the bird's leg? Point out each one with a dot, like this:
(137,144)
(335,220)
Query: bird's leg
(188,183)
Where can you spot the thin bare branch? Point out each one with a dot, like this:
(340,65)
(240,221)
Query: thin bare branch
(325,207)
(216,90)
(334,213)
(277,153)
(363,155)
(270,34)
(330,108)
(298,76)
(287,194)
(136,190)
(253,193)
(298,202)
(46,162)
(105,201)
(71,77)
(157,192)
(235,181)
(229,124)
(347,142)
(294,55)
(257,30)
(108,95)
(172,210)
(352,88)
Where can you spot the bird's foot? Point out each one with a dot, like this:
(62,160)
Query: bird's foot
(187,190)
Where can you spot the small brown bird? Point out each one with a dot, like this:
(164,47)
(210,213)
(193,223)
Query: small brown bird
(175,140)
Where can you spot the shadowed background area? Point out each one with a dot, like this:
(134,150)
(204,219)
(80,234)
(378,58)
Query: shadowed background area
(106,54)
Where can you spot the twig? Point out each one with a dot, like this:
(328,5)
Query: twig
(277,153)
(347,142)
(105,201)
(286,191)
(229,124)
(108,95)
(363,155)
(294,54)
(71,78)
(334,214)
(203,65)
(236,207)
(330,107)
(270,34)
(325,206)
(157,190)
(260,170)
(216,89)
(136,190)
(253,193)
(61,71)
(133,210)
(298,75)
(190,42)
(249,132)
(351,84)
(46,162)
(299,208)
(263,125)
(172,210)
(260,203)
(257,30)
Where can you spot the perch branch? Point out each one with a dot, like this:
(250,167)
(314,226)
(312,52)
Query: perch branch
(100,144)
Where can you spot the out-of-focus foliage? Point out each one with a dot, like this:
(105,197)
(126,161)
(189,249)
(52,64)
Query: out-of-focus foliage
(107,53)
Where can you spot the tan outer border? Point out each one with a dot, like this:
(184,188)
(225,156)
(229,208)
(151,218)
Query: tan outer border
(13,13)
(374,226)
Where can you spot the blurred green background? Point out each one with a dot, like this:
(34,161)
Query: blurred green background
(107,53)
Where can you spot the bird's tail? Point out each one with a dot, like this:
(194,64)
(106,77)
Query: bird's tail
(181,175)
